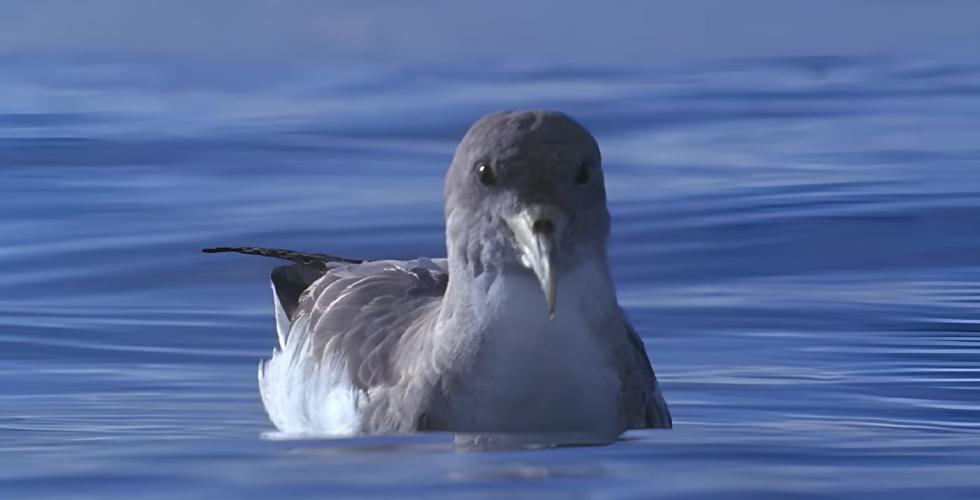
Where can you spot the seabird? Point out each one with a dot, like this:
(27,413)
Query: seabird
(517,330)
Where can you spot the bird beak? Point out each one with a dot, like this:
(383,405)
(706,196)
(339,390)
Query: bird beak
(536,231)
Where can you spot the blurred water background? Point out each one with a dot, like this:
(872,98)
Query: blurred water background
(796,236)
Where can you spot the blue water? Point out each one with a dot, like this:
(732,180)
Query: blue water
(797,240)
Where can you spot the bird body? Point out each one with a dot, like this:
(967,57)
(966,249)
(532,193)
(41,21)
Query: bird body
(516,331)
(562,377)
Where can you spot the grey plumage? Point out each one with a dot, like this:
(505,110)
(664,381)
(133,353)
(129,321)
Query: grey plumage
(470,343)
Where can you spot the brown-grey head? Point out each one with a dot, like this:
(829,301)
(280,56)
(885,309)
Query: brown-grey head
(525,193)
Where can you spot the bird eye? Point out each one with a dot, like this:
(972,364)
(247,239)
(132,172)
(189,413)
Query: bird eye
(583,174)
(487,177)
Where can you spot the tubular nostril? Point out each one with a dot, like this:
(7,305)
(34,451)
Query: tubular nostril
(543,226)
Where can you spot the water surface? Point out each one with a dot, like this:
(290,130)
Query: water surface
(796,240)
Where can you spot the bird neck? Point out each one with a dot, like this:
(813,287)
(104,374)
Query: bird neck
(483,295)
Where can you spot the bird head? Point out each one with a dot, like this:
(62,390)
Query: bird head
(525,193)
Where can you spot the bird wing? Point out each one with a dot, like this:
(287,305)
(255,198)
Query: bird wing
(337,369)
(640,401)
(360,313)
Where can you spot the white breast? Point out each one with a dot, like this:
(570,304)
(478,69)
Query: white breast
(540,374)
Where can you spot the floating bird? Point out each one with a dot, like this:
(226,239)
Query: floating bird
(517,331)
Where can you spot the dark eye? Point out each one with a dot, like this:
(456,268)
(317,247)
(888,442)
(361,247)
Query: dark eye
(583,174)
(487,177)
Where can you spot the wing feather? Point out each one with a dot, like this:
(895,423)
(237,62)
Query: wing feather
(641,403)
(356,318)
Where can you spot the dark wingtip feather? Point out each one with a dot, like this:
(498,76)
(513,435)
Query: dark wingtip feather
(289,282)
(314,260)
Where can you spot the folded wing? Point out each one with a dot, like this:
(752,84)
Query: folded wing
(337,366)
(641,404)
